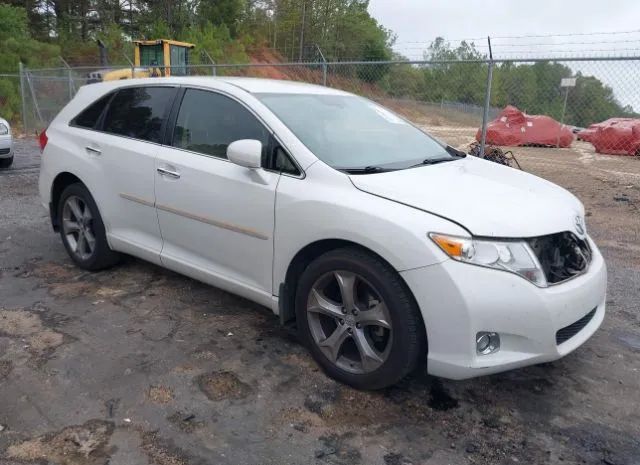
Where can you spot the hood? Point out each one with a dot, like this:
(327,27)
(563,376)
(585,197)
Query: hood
(486,198)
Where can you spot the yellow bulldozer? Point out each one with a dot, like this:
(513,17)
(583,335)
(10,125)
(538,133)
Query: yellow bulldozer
(151,58)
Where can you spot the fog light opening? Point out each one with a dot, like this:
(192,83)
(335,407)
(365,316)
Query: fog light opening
(487,342)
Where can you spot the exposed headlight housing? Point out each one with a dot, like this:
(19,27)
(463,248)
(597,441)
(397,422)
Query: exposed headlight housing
(4,129)
(514,256)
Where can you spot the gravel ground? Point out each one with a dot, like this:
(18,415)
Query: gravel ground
(26,154)
(138,365)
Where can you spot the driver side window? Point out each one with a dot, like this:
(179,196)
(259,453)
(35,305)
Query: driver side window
(208,122)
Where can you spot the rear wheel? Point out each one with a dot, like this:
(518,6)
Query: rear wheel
(359,319)
(6,162)
(82,230)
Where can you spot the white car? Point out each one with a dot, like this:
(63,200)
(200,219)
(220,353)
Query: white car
(387,249)
(6,144)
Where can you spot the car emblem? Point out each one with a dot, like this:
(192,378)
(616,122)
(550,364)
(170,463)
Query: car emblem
(580,225)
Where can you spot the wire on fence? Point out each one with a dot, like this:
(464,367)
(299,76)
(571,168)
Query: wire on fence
(575,98)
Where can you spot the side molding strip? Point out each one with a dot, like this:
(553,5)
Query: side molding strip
(212,222)
(135,199)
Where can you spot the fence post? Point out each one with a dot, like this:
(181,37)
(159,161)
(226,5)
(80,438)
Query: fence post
(133,72)
(213,63)
(34,98)
(69,78)
(324,65)
(487,102)
(22,97)
(564,110)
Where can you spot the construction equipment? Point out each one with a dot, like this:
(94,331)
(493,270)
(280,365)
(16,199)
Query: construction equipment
(163,57)
(152,58)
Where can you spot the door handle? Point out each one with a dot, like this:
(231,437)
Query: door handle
(168,173)
(93,150)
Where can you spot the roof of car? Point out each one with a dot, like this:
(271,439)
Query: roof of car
(259,85)
(252,85)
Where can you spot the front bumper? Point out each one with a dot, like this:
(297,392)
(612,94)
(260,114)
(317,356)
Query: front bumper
(6,147)
(457,300)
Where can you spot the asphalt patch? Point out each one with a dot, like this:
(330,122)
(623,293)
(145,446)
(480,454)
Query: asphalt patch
(29,328)
(160,394)
(186,422)
(6,366)
(336,449)
(163,452)
(222,385)
(74,445)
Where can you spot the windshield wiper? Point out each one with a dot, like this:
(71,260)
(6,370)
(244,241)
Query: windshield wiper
(431,161)
(455,155)
(366,170)
(455,152)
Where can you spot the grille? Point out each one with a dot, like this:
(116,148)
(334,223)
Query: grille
(562,256)
(4,151)
(574,328)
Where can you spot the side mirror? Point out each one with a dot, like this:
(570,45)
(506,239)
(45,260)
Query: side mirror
(245,152)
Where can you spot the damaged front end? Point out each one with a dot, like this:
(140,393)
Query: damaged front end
(562,256)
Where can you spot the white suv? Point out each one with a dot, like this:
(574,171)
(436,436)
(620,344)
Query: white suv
(384,247)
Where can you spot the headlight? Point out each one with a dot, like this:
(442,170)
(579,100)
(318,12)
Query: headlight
(4,130)
(514,256)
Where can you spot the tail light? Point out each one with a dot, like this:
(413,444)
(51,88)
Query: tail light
(42,140)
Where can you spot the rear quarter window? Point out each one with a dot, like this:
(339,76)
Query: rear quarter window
(139,112)
(90,116)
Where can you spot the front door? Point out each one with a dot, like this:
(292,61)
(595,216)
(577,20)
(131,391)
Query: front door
(216,218)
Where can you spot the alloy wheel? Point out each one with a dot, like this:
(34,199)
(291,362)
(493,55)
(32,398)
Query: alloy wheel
(77,226)
(349,322)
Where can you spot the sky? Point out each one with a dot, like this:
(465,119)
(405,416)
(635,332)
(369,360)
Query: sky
(422,20)
(563,28)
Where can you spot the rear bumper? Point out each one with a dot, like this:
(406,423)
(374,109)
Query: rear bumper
(458,300)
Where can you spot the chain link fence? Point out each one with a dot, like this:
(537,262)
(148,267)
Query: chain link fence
(592,103)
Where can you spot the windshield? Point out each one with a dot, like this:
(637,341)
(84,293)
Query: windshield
(352,133)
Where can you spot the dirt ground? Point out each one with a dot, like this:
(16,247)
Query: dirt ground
(138,365)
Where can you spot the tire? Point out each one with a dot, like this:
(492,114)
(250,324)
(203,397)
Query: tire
(6,162)
(384,315)
(95,258)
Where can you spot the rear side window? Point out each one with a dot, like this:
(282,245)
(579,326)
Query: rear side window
(208,122)
(91,115)
(139,112)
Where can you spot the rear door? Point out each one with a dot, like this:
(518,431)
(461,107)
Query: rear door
(216,217)
(131,131)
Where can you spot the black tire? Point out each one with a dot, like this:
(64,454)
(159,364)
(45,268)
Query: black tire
(6,162)
(102,256)
(409,342)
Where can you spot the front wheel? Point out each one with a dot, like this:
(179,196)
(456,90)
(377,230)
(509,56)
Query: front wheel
(359,319)
(82,230)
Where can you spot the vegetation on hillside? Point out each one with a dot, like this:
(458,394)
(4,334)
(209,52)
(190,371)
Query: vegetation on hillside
(39,32)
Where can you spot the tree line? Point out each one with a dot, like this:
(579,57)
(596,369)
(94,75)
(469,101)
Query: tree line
(532,87)
(342,29)
(39,32)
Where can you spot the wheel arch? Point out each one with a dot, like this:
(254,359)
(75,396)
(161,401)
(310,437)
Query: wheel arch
(59,184)
(287,289)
